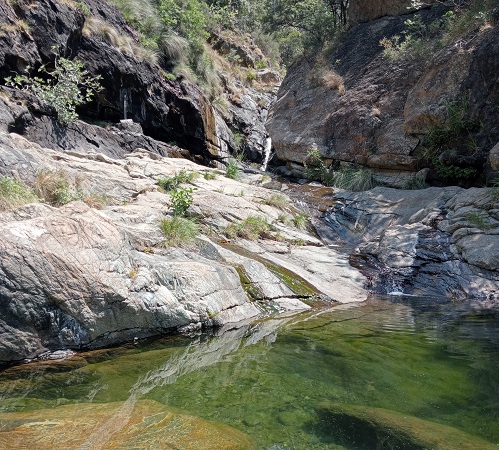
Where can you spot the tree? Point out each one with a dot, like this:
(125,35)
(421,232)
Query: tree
(67,86)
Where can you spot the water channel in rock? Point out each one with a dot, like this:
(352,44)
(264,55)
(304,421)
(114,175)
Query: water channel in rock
(335,378)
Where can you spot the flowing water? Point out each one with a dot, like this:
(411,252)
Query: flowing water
(270,382)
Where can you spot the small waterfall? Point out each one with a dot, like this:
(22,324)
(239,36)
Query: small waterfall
(266,154)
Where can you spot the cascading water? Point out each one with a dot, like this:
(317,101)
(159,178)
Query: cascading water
(266,153)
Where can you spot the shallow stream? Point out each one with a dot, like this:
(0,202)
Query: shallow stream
(270,382)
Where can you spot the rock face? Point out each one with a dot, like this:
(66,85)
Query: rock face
(366,10)
(135,87)
(435,241)
(364,108)
(76,277)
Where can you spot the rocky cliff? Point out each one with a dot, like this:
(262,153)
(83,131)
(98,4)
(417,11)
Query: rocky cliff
(135,83)
(358,105)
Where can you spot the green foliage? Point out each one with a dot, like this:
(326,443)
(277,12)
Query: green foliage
(209,175)
(478,219)
(232,169)
(300,221)
(83,8)
(421,41)
(169,76)
(316,169)
(178,231)
(14,193)
(453,132)
(68,86)
(253,227)
(250,77)
(416,182)
(354,179)
(57,188)
(181,198)
(277,200)
(173,182)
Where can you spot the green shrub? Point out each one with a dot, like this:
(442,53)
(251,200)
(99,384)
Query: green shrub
(300,221)
(250,77)
(253,227)
(277,200)
(83,8)
(316,169)
(478,219)
(178,231)
(210,175)
(353,179)
(69,85)
(181,199)
(14,193)
(173,182)
(232,169)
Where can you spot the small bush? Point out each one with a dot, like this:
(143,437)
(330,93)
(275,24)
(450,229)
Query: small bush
(278,201)
(250,77)
(210,175)
(178,231)
(57,188)
(253,227)
(173,182)
(351,179)
(300,221)
(181,199)
(14,193)
(69,85)
(232,169)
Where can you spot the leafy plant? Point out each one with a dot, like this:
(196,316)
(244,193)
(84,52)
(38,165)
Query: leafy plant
(209,175)
(83,8)
(14,193)
(253,227)
(181,199)
(353,179)
(477,218)
(68,86)
(178,231)
(173,182)
(57,188)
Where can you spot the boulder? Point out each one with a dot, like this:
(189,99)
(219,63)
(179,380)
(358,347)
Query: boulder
(369,427)
(494,157)
(130,424)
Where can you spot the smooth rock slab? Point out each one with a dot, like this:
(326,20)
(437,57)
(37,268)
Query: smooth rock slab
(142,425)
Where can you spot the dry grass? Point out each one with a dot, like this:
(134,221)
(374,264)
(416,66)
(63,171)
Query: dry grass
(107,33)
(328,79)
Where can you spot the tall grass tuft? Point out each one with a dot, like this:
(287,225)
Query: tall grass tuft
(14,193)
(178,231)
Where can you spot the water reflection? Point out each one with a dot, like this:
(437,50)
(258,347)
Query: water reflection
(424,358)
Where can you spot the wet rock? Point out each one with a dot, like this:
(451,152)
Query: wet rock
(368,427)
(435,241)
(131,424)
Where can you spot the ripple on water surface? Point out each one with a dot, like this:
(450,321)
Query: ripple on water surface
(328,379)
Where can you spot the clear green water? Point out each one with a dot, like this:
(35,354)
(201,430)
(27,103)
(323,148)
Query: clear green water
(438,362)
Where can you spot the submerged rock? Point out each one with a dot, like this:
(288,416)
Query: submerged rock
(144,424)
(367,427)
